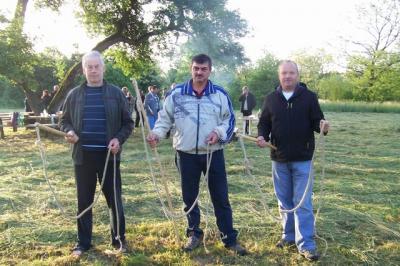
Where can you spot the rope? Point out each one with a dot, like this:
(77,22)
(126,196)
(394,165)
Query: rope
(43,156)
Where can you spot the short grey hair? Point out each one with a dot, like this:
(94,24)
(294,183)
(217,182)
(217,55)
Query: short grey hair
(92,54)
(284,62)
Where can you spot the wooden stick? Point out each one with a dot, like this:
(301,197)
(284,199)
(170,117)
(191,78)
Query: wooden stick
(140,107)
(50,130)
(253,139)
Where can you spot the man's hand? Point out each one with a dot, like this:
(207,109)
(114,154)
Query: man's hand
(324,126)
(71,137)
(114,145)
(261,142)
(152,139)
(212,138)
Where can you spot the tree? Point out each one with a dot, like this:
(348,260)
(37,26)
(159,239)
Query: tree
(313,67)
(143,25)
(379,53)
(335,87)
(141,67)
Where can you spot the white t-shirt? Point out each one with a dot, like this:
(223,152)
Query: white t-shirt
(287,94)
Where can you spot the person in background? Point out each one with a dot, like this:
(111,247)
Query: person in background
(247,104)
(129,98)
(27,107)
(45,99)
(137,115)
(152,105)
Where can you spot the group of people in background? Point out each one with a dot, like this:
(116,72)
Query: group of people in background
(45,99)
(203,117)
(153,102)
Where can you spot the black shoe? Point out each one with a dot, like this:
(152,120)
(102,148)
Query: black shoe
(123,248)
(283,243)
(192,242)
(310,255)
(238,249)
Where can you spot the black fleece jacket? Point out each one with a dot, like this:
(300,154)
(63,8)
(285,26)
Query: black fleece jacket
(290,124)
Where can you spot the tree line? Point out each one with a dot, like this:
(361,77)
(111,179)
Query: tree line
(179,29)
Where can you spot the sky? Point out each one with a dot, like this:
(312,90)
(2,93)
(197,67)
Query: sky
(277,26)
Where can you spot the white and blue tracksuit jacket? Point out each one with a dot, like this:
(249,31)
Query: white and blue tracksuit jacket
(196,117)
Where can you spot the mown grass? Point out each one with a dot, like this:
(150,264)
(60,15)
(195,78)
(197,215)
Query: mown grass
(364,107)
(360,203)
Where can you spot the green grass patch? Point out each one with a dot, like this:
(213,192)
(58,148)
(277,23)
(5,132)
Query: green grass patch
(360,107)
(359,218)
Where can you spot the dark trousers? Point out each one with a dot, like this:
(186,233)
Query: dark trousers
(86,176)
(246,128)
(191,166)
(137,118)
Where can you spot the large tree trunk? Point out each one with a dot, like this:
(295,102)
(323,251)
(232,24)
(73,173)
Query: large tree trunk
(33,100)
(20,10)
(68,82)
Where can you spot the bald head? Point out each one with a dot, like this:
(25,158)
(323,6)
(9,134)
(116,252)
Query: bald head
(288,75)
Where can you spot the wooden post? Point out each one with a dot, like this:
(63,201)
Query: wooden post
(14,121)
(1,129)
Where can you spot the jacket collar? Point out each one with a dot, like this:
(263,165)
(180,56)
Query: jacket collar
(300,88)
(188,88)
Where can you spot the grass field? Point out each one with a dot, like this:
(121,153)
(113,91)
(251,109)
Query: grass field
(360,213)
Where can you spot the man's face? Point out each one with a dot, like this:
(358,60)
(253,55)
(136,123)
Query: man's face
(200,72)
(93,70)
(288,76)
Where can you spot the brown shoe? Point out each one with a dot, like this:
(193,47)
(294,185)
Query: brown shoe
(192,243)
(123,248)
(310,255)
(78,250)
(238,249)
(283,243)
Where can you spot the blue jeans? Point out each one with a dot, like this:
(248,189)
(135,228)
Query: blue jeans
(152,120)
(290,180)
(191,166)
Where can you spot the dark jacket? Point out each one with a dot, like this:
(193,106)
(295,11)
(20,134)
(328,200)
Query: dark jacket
(152,104)
(119,121)
(291,123)
(251,102)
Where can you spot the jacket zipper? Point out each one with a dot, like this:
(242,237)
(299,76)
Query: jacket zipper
(198,128)
(289,107)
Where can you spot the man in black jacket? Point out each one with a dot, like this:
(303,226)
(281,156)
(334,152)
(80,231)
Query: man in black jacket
(96,117)
(289,117)
(247,104)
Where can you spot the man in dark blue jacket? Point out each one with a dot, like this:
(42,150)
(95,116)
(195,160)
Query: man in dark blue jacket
(96,117)
(289,117)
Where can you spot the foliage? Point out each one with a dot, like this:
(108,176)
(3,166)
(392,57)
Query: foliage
(377,80)
(313,66)
(334,86)
(141,67)
(261,79)
(373,71)
(10,95)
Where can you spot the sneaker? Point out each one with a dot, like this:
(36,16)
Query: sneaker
(124,247)
(283,243)
(78,250)
(310,255)
(238,249)
(192,242)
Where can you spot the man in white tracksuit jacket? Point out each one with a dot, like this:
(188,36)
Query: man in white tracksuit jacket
(204,120)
